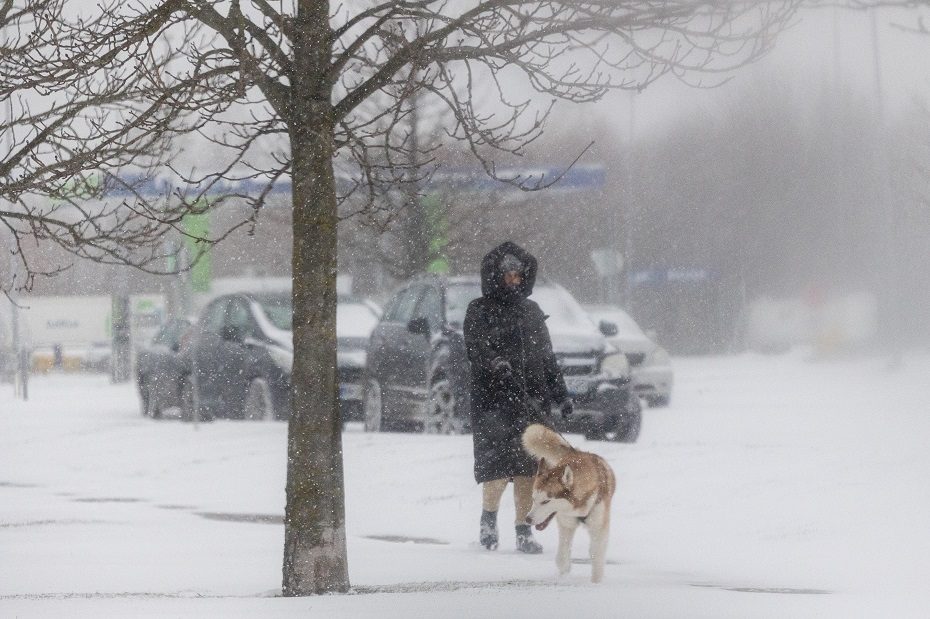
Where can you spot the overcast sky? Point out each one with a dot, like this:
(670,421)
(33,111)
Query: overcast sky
(822,45)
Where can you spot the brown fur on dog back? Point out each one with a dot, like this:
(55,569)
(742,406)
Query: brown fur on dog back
(544,444)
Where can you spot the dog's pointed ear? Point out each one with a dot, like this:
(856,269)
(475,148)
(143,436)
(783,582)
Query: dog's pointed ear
(542,467)
(568,477)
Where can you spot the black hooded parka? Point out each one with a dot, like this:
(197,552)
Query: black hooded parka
(503,325)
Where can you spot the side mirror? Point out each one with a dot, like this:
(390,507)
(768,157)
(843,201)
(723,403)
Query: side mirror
(419,326)
(232,333)
(608,328)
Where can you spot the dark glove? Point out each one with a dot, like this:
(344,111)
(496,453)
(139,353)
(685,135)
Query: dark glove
(567,407)
(501,366)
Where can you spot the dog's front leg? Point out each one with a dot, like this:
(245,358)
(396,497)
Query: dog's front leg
(598,552)
(563,558)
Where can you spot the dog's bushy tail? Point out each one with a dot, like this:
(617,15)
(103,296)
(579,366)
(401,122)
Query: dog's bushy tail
(543,443)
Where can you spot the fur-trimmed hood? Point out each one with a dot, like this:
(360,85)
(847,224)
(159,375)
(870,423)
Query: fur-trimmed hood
(492,285)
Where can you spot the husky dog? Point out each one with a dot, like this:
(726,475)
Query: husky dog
(575,487)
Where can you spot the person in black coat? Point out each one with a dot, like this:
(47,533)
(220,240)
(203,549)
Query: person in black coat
(514,382)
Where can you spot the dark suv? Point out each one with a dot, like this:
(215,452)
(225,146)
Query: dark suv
(418,374)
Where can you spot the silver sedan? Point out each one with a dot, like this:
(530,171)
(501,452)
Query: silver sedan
(650,364)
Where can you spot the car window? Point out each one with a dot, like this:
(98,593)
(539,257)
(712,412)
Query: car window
(277,309)
(163,337)
(402,308)
(214,316)
(170,334)
(394,304)
(240,316)
(389,307)
(458,296)
(430,307)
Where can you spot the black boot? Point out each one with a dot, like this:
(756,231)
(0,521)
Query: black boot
(488,537)
(525,541)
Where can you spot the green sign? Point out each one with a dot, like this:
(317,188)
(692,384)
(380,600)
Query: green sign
(79,188)
(197,226)
(438,226)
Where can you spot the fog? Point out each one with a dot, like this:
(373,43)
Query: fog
(750,256)
(797,185)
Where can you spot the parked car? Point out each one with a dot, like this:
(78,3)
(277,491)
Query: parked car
(162,368)
(418,374)
(7,365)
(243,353)
(650,364)
(241,357)
(356,318)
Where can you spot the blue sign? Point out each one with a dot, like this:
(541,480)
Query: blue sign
(686,275)
(576,178)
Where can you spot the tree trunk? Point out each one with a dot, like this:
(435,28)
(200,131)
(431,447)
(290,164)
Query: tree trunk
(314,536)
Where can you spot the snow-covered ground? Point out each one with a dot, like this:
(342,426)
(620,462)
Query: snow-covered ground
(772,487)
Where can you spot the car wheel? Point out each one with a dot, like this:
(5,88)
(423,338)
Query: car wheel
(621,421)
(149,401)
(259,405)
(594,432)
(627,429)
(658,401)
(442,409)
(152,405)
(144,398)
(191,410)
(373,405)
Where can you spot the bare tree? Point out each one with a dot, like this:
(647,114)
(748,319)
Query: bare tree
(319,93)
(86,124)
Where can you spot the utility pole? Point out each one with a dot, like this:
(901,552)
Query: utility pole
(121,327)
(627,232)
(888,236)
(20,356)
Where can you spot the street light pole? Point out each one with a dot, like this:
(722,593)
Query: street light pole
(20,357)
(626,274)
(891,269)
(20,360)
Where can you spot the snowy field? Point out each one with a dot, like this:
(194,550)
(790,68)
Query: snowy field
(772,487)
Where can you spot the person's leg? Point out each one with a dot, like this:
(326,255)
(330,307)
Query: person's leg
(523,502)
(522,498)
(491,492)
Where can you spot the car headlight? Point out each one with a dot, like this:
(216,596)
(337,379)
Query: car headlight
(659,356)
(615,366)
(284,359)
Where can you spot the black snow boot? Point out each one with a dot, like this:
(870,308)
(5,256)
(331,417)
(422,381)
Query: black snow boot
(525,541)
(488,537)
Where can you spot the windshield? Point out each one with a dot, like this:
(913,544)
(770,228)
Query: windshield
(458,296)
(355,321)
(554,301)
(278,310)
(561,307)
